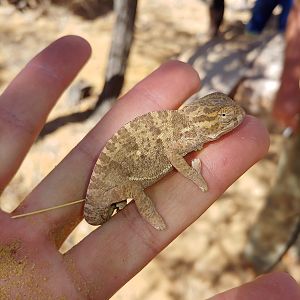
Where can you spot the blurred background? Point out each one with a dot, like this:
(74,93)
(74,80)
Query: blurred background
(246,49)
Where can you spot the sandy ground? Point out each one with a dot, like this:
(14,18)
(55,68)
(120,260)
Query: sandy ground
(164,30)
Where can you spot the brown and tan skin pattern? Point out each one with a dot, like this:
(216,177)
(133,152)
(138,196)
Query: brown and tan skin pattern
(147,148)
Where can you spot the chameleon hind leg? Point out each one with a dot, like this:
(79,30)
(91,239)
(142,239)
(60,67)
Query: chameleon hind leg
(144,204)
(147,208)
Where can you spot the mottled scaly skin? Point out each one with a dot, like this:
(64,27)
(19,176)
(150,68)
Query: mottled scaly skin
(147,148)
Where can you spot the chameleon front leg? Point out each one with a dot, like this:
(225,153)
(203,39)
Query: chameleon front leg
(192,173)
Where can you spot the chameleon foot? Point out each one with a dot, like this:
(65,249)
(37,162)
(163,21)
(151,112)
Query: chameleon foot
(196,165)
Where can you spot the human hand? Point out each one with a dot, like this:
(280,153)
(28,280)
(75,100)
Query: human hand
(31,265)
(286,108)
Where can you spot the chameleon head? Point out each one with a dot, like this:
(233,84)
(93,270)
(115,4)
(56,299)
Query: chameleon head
(215,115)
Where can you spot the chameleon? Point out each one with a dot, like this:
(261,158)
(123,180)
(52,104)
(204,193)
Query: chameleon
(150,146)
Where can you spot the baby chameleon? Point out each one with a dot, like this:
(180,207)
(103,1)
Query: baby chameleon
(150,146)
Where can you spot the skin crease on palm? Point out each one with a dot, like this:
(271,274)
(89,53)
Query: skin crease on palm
(104,261)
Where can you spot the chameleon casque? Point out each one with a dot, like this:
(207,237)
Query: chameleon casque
(148,147)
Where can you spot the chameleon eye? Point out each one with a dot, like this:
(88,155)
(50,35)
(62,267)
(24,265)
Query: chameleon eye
(224,116)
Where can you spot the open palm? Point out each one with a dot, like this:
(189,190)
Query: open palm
(30,263)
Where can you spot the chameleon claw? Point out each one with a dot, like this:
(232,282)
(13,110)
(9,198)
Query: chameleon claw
(196,164)
(204,187)
(159,225)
